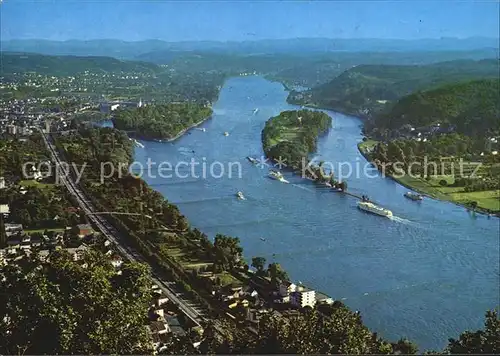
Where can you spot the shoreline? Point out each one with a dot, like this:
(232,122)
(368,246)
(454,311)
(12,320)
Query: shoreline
(406,185)
(160,140)
(343,112)
(182,132)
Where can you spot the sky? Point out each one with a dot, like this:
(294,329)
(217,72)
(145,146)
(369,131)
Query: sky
(182,20)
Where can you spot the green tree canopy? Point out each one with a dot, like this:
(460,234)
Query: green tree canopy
(65,307)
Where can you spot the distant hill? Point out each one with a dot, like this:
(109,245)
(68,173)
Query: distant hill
(366,89)
(69,65)
(473,107)
(129,50)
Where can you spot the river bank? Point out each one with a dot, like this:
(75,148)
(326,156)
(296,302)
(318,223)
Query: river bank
(339,110)
(172,139)
(427,189)
(182,132)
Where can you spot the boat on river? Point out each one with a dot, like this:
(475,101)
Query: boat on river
(374,209)
(138,144)
(240,196)
(256,111)
(413,196)
(253,160)
(277,176)
(226,133)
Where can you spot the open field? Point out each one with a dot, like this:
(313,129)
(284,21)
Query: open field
(366,146)
(34,183)
(183,255)
(286,134)
(486,200)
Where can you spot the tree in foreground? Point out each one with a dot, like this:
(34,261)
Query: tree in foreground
(259,263)
(342,332)
(485,341)
(65,307)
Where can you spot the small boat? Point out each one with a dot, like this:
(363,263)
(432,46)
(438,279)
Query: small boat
(226,133)
(253,160)
(263,239)
(278,176)
(413,196)
(374,209)
(202,129)
(240,195)
(256,111)
(138,144)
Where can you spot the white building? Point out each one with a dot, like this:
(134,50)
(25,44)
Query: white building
(4,209)
(303,297)
(2,183)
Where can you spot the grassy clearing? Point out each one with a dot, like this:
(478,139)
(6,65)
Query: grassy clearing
(366,146)
(228,279)
(183,256)
(286,134)
(34,183)
(489,200)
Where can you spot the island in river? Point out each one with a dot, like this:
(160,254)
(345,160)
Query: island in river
(162,122)
(293,135)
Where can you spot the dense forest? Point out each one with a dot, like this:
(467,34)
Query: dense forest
(292,135)
(472,108)
(64,307)
(366,89)
(161,121)
(70,65)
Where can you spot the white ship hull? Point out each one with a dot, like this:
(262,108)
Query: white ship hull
(278,178)
(374,209)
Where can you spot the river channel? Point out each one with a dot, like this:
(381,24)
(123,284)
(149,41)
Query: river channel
(429,274)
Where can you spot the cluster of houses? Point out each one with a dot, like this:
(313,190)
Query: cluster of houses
(107,107)
(163,320)
(18,244)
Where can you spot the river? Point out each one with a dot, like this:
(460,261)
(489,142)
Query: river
(427,275)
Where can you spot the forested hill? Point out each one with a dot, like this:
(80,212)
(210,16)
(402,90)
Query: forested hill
(161,121)
(473,107)
(69,65)
(366,89)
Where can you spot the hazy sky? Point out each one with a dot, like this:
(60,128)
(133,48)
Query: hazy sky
(246,20)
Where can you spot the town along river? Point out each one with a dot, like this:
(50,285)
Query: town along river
(429,274)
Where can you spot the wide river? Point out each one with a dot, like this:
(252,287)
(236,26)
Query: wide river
(427,275)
